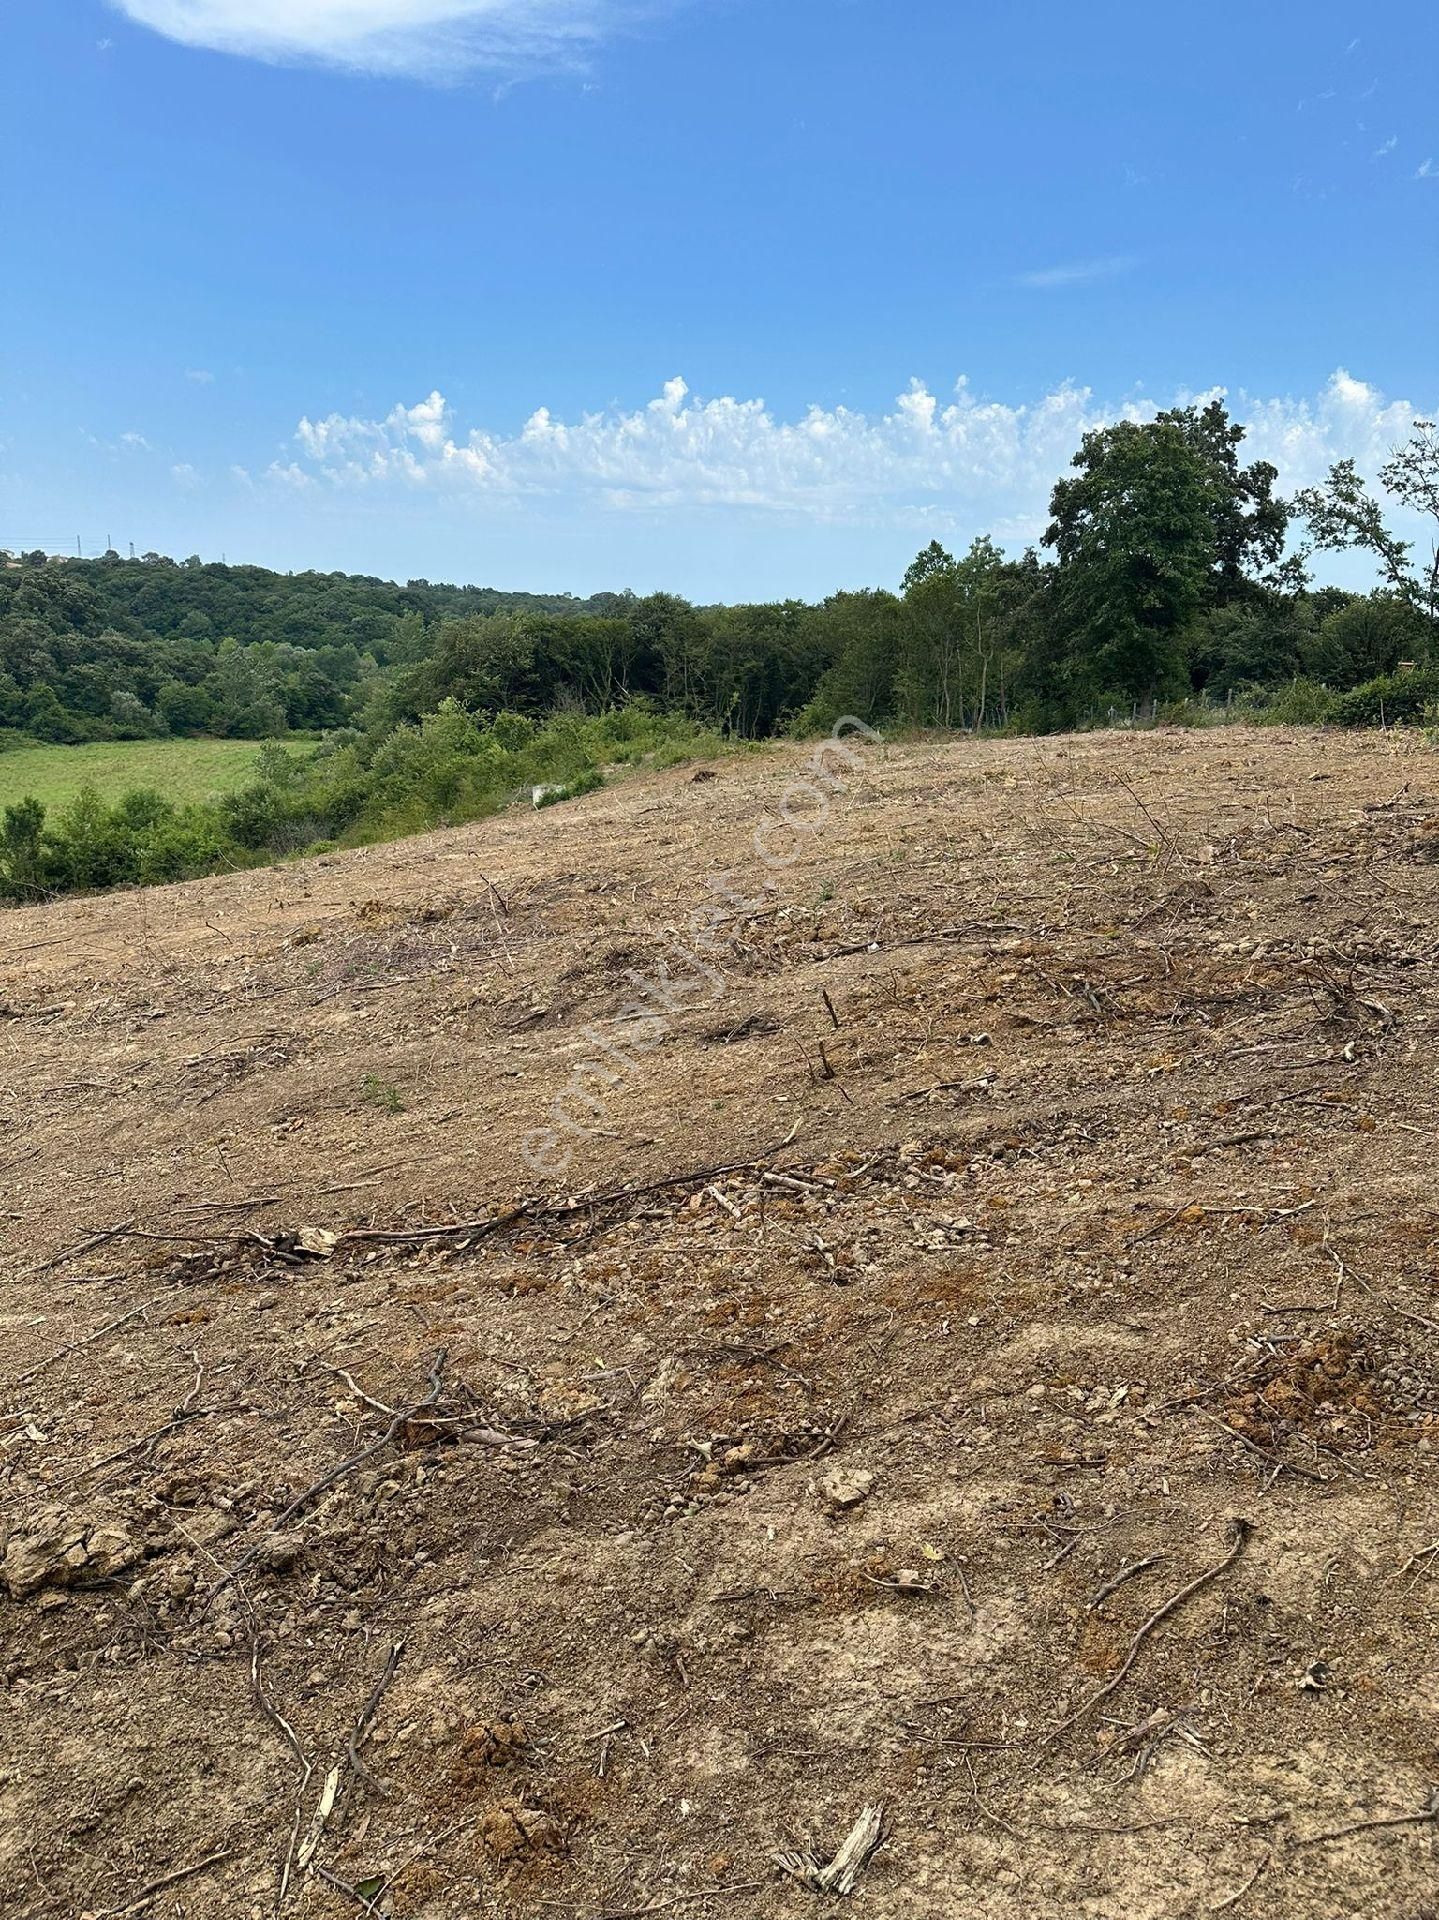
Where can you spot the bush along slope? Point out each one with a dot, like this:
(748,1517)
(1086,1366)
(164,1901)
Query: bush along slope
(450,767)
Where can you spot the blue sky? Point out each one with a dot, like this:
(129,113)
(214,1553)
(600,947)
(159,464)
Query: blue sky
(569,294)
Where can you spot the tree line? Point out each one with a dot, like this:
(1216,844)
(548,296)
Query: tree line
(1173,579)
(1170,569)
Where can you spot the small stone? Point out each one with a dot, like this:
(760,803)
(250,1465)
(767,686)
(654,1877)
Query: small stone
(279,1553)
(844,1487)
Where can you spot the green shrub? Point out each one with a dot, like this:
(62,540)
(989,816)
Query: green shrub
(1303,703)
(448,767)
(1390,699)
(384,1094)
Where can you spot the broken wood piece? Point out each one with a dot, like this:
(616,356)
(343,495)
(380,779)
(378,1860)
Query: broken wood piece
(149,1895)
(848,1863)
(324,1807)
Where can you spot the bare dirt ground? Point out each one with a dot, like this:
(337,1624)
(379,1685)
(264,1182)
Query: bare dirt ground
(1032,1436)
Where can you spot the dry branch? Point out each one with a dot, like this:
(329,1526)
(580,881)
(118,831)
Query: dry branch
(1425,1817)
(1242,1530)
(110,1326)
(361,1728)
(332,1478)
(150,1894)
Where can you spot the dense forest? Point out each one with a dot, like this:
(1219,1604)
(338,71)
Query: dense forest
(1173,582)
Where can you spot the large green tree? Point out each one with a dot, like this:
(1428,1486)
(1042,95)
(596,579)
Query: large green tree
(1250,521)
(1135,532)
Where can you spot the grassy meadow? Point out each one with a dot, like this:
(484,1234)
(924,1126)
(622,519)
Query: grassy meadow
(182,770)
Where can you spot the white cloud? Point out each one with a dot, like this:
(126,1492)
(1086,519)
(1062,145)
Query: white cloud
(1077,273)
(200,376)
(432,39)
(136,440)
(185,476)
(1427,171)
(1382,153)
(969,463)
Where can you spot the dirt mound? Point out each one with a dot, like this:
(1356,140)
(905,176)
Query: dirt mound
(503,1415)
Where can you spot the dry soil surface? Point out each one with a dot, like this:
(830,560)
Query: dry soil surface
(980,1365)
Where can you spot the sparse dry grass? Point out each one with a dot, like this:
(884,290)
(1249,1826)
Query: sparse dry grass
(1112,1219)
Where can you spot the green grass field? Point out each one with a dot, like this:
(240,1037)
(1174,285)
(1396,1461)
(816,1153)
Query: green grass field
(182,770)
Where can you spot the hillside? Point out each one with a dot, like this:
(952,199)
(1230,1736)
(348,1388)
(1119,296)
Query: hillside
(981,1367)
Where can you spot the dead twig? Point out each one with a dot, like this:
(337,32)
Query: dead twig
(361,1728)
(96,1240)
(1242,1531)
(365,1903)
(358,1391)
(1228,1213)
(1425,1817)
(1275,1460)
(472,1229)
(681,1900)
(1125,1573)
(944,1086)
(110,1326)
(1233,1899)
(183,1418)
(330,1479)
(537,1209)
(150,1894)
(292,1740)
(840,1875)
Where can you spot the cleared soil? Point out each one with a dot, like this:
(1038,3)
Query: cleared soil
(1031,1434)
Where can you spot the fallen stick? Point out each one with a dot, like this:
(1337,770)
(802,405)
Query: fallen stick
(110,1326)
(681,1900)
(356,1389)
(1227,1213)
(183,1419)
(292,1741)
(841,1873)
(1233,1899)
(149,1895)
(1125,1573)
(366,1904)
(549,1210)
(332,1478)
(1423,1818)
(1242,1531)
(1347,1272)
(475,1229)
(371,1707)
(1275,1460)
(76,1252)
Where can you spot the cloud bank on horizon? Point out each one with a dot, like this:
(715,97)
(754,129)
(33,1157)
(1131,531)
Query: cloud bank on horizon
(424,39)
(969,463)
